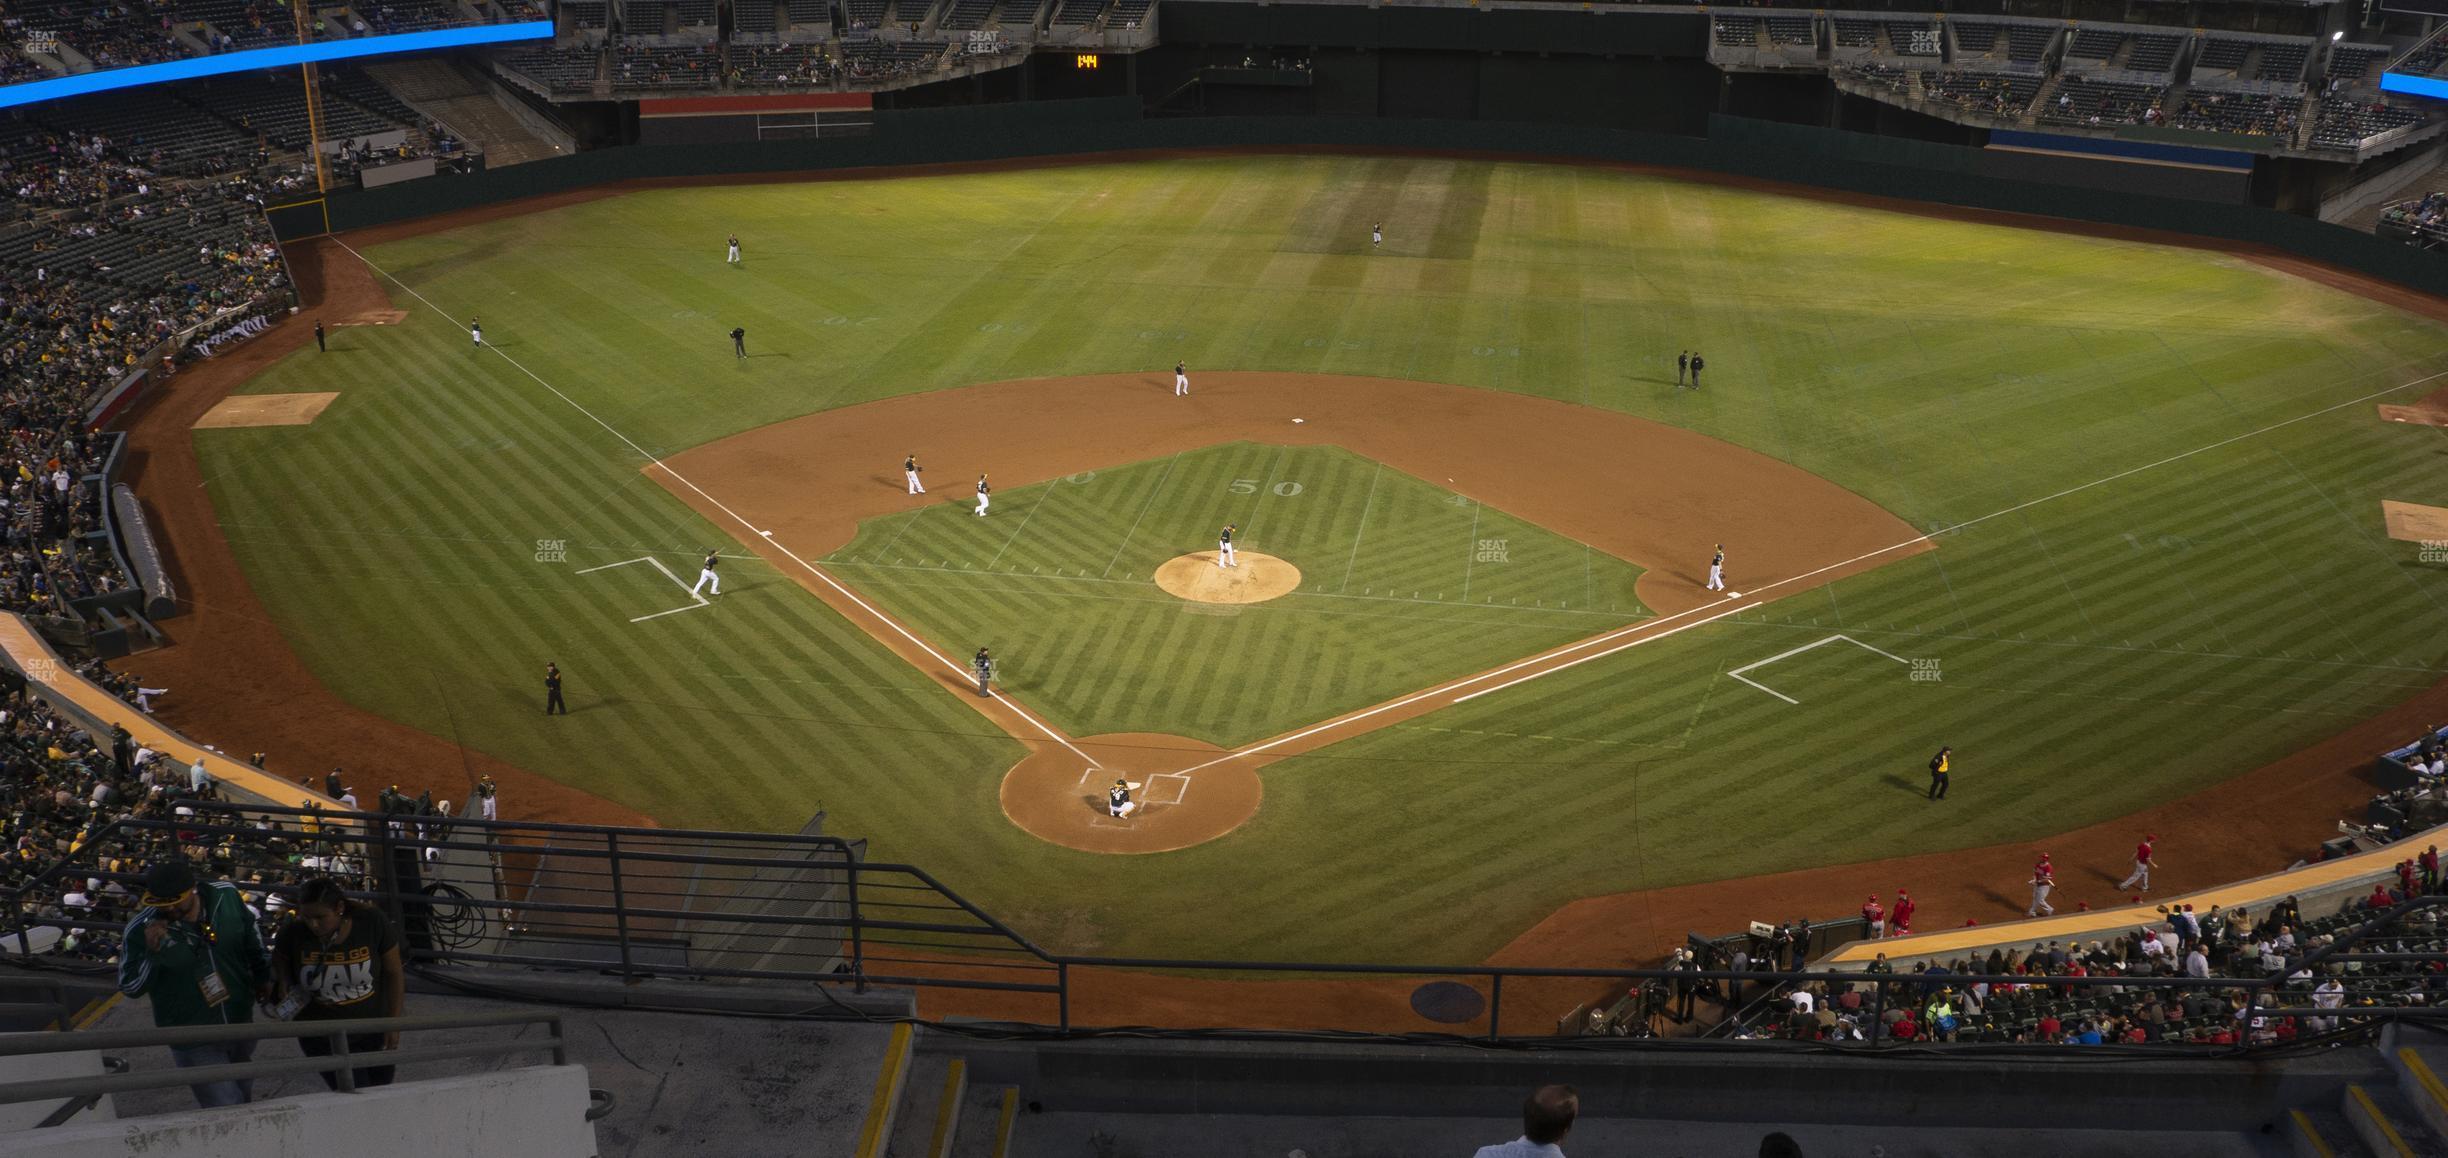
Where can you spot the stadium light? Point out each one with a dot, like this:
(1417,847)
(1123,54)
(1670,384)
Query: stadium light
(256,59)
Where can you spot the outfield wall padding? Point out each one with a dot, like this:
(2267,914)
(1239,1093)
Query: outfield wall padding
(1825,158)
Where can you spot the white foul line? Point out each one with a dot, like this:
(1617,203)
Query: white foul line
(659,464)
(1867,555)
(1737,673)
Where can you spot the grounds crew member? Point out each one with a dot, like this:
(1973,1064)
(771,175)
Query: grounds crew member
(193,949)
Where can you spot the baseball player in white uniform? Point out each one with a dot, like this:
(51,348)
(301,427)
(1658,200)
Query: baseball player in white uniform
(733,259)
(1224,548)
(706,574)
(1716,580)
(485,794)
(1377,234)
(2043,882)
(1181,379)
(985,496)
(909,470)
(1118,800)
(475,333)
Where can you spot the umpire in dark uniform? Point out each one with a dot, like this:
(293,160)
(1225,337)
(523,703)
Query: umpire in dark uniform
(319,336)
(984,663)
(1696,363)
(552,691)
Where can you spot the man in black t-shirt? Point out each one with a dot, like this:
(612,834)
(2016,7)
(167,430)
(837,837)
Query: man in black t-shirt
(342,960)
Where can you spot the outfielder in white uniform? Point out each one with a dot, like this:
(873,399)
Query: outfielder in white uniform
(985,496)
(733,259)
(706,575)
(1224,548)
(475,333)
(1377,235)
(1181,379)
(1118,801)
(909,470)
(1716,580)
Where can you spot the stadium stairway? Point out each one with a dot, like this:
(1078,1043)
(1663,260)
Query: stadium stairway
(2378,1120)
(441,90)
(925,1106)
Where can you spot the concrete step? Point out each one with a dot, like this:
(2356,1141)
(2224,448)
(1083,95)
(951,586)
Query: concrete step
(2322,1134)
(2385,1122)
(2422,1076)
(1062,1134)
(884,1101)
(988,1118)
(930,1107)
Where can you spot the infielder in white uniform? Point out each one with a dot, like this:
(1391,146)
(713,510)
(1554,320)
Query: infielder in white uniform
(1224,550)
(985,496)
(706,575)
(909,470)
(1181,379)
(733,259)
(1716,580)
(1118,801)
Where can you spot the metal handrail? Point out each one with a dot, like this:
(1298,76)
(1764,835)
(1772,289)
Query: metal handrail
(853,940)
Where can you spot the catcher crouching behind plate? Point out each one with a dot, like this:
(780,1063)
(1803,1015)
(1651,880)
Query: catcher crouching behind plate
(1118,800)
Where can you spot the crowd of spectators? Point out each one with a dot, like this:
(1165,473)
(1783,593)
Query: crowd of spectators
(61,786)
(761,65)
(1935,1000)
(2256,114)
(2427,226)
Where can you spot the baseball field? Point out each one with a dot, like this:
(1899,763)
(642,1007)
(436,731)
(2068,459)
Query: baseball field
(2103,515)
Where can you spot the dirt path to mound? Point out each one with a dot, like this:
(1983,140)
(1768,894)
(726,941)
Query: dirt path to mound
(233,681)
(2249,825)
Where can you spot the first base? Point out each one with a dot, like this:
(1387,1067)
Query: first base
(1733,594)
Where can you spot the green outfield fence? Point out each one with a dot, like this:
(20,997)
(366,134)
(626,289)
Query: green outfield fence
(1856,163)
(487,902)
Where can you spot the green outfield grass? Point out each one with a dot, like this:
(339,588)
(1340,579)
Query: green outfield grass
(1404,585)
(2096,647)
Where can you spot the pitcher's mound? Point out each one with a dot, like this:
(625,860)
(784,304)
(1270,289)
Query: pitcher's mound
(1258,578)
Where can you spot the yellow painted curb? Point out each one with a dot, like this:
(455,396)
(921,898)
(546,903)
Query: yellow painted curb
(2431,1085)
(1003,1128)
(887,1091)
(2388,1129)
(947,1109)
(2311,1133)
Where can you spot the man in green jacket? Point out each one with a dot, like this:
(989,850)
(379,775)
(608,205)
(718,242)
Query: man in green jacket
(194,949)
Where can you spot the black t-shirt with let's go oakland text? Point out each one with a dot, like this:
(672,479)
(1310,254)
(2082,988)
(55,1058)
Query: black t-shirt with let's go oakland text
(341,979)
